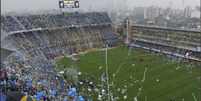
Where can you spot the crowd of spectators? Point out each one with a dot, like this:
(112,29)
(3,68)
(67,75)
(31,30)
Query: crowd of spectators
(169,35)
(169,42)
(36,80)
(37,74)
(170,49)
(54,43)
(172,40)
(53,20)
(9,24)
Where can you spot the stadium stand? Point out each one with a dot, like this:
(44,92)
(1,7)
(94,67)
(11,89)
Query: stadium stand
(53,20)
(37,74)
(71,39)
(173,41)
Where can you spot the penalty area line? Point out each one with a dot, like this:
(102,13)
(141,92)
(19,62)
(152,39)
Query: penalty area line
(174,88)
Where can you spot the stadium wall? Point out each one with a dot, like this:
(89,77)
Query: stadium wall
(87,50)
(167,54)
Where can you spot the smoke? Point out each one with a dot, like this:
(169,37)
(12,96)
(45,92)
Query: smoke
(72,73)
(20,54)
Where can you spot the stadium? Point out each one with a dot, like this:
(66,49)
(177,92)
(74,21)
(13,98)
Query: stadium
(81,57)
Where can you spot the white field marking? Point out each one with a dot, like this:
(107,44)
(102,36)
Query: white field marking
(126,49)
(198,88)
(143,55)
(175,96)
(189,72)
(182,80)
(126,57)
(188,67)
(151,54)
(119,68)
(194,97)
(174,87)
(137,52)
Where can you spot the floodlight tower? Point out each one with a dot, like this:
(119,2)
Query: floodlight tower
(127,31)
(170,8)
(170,4)
(124,6)
(117,18)
(108,1)
(182,5)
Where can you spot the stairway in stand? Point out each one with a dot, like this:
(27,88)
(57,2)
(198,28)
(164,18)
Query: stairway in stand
(18,22)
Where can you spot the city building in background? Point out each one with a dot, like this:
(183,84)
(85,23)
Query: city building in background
(187,12)
(197,8)
(90,9)
(195,14)
(138,10)
(160,21)
(167,11)
(152,11)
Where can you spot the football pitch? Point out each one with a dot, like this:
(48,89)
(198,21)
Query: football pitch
(157,82)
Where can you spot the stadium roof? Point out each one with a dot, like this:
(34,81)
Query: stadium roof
(5,53)
(166,28)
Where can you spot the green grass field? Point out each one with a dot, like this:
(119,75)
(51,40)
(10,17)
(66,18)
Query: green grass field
(172,84)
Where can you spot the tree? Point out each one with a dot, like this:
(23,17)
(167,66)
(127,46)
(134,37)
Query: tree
(120,31)
(186,24)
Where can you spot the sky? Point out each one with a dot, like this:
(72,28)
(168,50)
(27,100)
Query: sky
(34,5)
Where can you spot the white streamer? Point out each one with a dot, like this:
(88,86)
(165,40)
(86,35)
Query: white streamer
(125,58)
(194,97)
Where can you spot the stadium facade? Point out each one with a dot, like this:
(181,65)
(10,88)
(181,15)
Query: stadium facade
(170,42)
(56,35)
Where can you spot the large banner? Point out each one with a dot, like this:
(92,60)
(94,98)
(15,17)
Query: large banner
(161,54)
(147,51)
(141,49)
(169,56)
